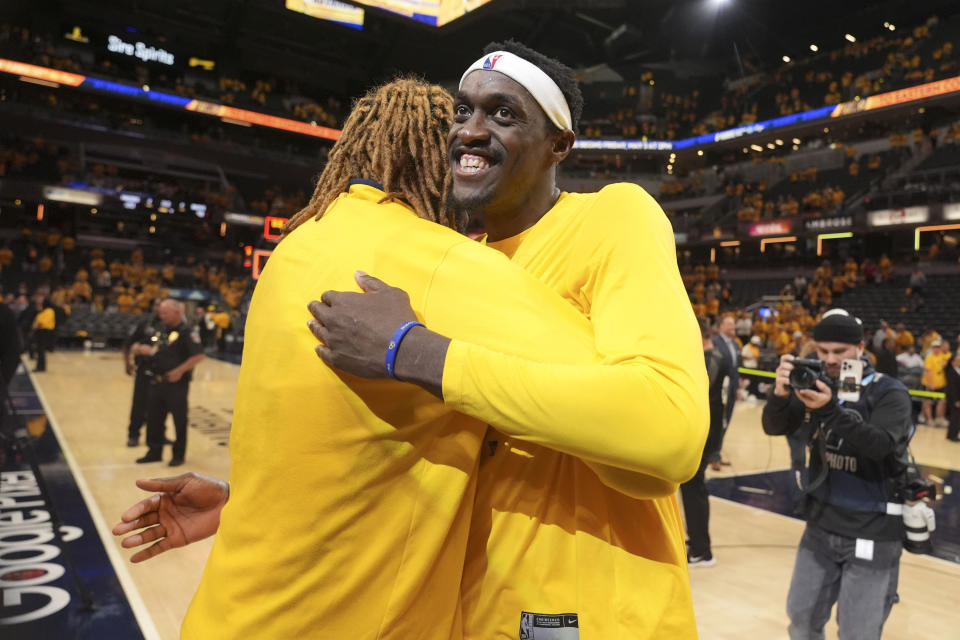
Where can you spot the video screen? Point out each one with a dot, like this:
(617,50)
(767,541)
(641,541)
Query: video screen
(332,10)
(432,12)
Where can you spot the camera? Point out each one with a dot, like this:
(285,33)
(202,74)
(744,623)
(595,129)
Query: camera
(806,372)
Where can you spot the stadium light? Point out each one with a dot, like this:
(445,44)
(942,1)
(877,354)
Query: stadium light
(756,147)
(766,241)
(830,236)
(779,142)
(699,152)
(796,141)
(849,37)
(939,227)
(770,145)
(786,58)
(814,48)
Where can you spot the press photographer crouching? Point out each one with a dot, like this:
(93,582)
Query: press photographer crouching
(860,425)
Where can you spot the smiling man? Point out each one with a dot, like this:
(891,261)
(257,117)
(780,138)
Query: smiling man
(600,415)
(557,541)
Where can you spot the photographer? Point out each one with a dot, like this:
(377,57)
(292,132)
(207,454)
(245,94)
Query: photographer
(850,550)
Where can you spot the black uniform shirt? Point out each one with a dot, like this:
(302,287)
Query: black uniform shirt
(141,333)
(176,345)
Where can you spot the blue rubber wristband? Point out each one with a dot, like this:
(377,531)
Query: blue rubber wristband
(394,345)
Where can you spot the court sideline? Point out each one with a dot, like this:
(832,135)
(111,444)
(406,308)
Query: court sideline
(743,596)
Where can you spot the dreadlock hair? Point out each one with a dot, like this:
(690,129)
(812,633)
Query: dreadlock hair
(396,134)
(560,73)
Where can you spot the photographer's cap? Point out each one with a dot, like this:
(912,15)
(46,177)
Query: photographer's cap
(837,325)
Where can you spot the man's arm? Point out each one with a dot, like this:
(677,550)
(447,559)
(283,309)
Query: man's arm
(783,413)
(177,372)
(887,430)
(420,359)
(127,350)
(642,408)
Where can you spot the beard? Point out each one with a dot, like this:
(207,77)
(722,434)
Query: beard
(468,208)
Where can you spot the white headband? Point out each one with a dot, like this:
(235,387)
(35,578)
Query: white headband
(543,89)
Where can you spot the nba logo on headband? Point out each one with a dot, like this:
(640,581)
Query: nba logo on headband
(541,86)
(491,62)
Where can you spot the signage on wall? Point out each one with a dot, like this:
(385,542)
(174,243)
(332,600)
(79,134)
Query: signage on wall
(770,228)
(826,224)
(116,44)
(906,215)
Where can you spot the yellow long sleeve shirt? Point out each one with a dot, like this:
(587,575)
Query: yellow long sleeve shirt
(549,537)
(46,319)
(351,499)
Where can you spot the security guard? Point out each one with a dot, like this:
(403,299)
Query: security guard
(141,334)
(174,352)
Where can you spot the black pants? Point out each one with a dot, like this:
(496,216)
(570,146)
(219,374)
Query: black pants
(696,509)
(696,499)
(953,430)
(138,410)
(164,398)
(44,343)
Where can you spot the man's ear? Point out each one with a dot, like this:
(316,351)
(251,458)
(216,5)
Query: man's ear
(563,144)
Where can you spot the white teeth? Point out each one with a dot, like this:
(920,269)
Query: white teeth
(473,164)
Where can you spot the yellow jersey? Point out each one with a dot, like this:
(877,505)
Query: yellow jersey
(935,370)
(45,319)
(548,536)
(351,499)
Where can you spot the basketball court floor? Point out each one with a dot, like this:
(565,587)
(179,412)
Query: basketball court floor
(79,408)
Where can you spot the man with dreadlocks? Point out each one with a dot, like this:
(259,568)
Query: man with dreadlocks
(350,499)
(554,547)
(575,512)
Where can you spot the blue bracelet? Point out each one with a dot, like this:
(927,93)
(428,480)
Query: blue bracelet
(394,345)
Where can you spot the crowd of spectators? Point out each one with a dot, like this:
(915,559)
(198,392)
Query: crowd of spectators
(270,94)
(896,59)
(785,327)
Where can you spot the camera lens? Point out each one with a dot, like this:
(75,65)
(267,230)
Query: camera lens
(802,378)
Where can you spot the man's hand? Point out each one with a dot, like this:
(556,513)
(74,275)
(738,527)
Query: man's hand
(174,375)
(355,328)
(129,368)
(187,509)
(782,383)
(144,349)
(815,398)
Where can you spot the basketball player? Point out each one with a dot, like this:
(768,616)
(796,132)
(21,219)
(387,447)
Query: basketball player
(635,411)
(548,536)
(350,499)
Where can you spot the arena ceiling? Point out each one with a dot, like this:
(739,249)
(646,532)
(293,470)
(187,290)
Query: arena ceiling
(689,37)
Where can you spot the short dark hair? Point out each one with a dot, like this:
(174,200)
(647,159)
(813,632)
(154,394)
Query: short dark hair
(706,329)
(560,73)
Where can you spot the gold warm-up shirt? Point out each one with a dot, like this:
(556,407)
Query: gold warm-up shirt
(351,499)
(548,537)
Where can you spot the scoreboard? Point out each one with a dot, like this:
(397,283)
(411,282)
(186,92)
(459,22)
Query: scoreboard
(435,13)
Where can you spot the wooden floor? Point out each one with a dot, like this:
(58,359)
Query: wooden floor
(743,596)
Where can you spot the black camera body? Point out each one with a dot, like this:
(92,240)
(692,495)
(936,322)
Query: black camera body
(806,372)
(918,488)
